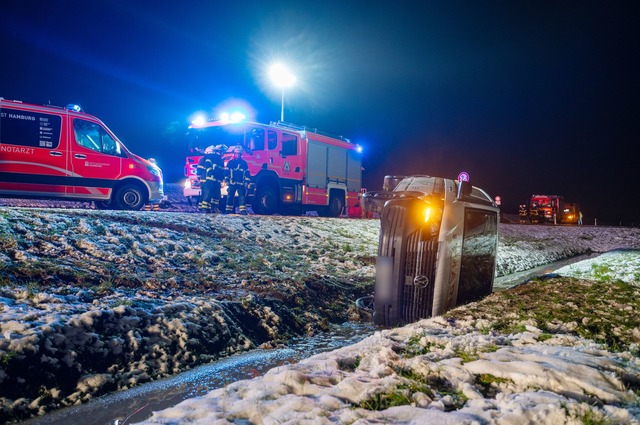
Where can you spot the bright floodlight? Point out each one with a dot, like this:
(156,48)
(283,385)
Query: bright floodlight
(283,78)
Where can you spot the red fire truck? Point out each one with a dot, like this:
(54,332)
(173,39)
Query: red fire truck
(546,208)
(293,168)
(549,209)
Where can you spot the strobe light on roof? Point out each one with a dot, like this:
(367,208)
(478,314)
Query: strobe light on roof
(73,107)
(236,116)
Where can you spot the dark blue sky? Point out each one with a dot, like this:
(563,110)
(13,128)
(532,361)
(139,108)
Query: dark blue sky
(526,96)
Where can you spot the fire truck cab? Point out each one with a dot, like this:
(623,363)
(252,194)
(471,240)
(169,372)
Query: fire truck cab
(293,168)
(55,152)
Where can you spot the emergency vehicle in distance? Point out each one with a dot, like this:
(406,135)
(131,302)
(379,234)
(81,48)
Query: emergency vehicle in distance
(293,168)
(549,209)
(55,152)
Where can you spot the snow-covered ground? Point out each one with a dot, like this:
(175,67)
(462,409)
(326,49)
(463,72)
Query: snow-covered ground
(97,301)
(457,369)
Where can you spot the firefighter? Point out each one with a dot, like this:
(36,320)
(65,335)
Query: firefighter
(523,213)
(210,173)
(238,178)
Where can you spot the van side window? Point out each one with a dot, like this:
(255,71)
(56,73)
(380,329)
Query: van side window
(272,139)
(289,144)
(478,255)
(93,136)
(26,128)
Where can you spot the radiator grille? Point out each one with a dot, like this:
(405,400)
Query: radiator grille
(419,277)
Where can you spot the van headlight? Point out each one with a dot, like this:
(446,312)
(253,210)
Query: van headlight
(429,215)
(154,170)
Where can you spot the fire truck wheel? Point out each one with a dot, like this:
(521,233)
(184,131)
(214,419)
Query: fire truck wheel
(266,201)
(335,207)
(129,197)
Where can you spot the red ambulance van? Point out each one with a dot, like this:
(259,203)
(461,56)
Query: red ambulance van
(55,152)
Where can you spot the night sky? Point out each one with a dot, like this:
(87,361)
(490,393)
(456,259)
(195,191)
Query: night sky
(526,96)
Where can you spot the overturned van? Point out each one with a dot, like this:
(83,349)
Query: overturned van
(55,152)
(438,246)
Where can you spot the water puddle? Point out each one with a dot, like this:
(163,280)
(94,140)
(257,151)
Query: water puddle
(505,282)
(137,404)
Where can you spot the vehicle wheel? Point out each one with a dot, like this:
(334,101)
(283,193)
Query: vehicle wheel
(335,207)
(129,197)
(266,201)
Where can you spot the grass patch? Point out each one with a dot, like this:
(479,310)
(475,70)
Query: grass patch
(403,394)
(415,347)
(602,311)
(489,384)
(5,359)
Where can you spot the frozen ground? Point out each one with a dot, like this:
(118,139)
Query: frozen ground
(97,301)
(567,354)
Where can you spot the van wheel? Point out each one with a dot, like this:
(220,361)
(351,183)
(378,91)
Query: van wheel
(129,197)
(266,201)
(335,207)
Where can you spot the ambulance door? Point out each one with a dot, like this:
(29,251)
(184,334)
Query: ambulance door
(96,159)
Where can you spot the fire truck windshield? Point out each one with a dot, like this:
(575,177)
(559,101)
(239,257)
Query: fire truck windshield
(200,138)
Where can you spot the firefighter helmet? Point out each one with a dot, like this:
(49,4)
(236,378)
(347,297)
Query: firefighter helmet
(209,149)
